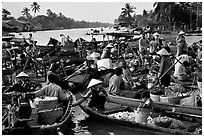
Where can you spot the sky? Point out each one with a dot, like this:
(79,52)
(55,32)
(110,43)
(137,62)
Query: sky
(101,11)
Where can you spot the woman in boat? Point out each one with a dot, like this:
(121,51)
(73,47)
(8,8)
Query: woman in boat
(181,43)
(116,82)
(180,67)
(143,45)
(155,44)
(165,64)
(97,93)
(52,89)
(127,76)
(107,52)
(54,69)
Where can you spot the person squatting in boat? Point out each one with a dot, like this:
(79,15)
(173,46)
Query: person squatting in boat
(97,93)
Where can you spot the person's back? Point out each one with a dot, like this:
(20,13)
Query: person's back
(179,68)
(115,82)
(51,90)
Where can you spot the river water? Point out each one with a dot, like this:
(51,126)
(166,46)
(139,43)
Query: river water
(81,123)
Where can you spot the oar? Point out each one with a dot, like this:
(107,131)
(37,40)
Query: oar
(78,69)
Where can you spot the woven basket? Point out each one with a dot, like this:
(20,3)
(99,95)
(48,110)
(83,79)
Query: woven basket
(46,103)
(155,98)
(47,117)
(170,99)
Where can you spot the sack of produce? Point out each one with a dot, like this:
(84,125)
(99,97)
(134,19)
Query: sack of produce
(163,121)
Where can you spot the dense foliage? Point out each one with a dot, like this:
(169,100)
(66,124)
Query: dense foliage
(166,15)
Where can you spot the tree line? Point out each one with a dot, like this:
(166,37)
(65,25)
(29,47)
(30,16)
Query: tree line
(50,21)
(168,15)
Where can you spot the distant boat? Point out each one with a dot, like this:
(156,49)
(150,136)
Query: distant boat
(93,32)
(194,33)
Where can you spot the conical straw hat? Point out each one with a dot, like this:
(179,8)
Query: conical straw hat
(181,33)
(94,82)
(95,55)
(22,75)
(163,52)
(109,46)
(156,34)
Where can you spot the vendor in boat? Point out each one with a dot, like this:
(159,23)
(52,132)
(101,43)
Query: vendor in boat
(165,65)
(127,76)
(52,89)
(22,83)
(181,43)
(97,93)
(116,82)
(54,69)
(182,62)
(107,51)
(155,44)
(62,40)
(94,44)
(143,45)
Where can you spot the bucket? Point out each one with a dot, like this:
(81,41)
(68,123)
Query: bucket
(170,99)
(155,98)
(141,115)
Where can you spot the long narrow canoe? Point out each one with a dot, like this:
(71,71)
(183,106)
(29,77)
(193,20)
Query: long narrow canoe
(163,106)
(102,115)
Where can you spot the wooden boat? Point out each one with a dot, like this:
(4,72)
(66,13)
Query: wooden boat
(102,115)
(25,125)
(187,110)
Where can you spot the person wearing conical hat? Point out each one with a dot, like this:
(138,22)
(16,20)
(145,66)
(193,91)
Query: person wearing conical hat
(97,93)
(155,44)
(165,64)
(181,43)
(107,51)
(22,75)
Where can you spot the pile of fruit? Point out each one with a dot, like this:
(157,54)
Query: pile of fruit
(127,116)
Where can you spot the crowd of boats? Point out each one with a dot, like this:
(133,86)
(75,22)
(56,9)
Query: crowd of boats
(84,66)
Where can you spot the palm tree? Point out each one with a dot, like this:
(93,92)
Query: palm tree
(127,11)
(35,7)
(26,13)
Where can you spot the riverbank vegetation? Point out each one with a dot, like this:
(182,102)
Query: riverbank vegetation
(166,16)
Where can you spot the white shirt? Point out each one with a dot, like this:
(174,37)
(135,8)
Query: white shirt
(179,68)
(63,40)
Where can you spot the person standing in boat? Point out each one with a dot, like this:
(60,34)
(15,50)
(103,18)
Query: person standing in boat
(62,40)
(116,82)
(97,93)
(165,64)
(143,45)
(94,44)
(181,43)
(127,76)
(156,44)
